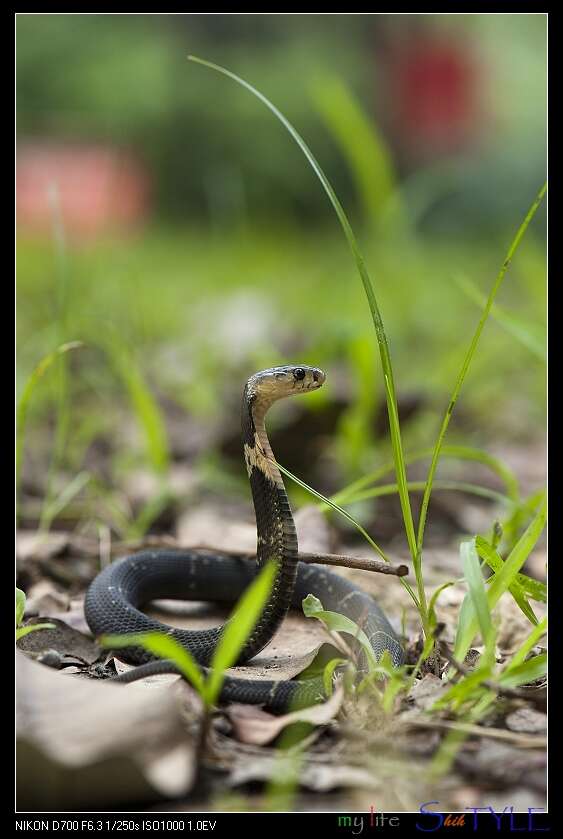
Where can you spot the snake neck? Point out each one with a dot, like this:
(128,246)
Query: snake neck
(276,534)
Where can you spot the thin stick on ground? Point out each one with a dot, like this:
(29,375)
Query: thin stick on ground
(362,563)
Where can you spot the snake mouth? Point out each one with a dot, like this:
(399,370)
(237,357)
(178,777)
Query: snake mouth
(319,377)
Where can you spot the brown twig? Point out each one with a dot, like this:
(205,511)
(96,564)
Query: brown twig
(363,563)
(378,566)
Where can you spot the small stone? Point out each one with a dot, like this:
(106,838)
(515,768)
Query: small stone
(527,720)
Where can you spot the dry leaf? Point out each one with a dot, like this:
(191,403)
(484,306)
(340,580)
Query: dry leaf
(63,638)
(253,725)
(39,546)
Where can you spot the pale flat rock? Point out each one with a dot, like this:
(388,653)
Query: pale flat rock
(83,743)
(527,720)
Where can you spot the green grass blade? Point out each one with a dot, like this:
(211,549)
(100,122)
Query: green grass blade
(518,556)
(419,486)
(313,608)
(465,688)
(467,627)
(238,629)
(525,510)
(328,674)
(334,507)
(52,509)
(401,472)
(149,512)
(520,655)
(522,331)
(145,406)
(161,646)
(362,145)
(495,561)
(352,521)
(22,631)
(467,361)
(368,288)
(532,588)
(474,578)
(27,393)
(455,453)
(526,672)
(20,605)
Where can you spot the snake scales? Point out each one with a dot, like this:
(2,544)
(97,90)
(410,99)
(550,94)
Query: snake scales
(114,598)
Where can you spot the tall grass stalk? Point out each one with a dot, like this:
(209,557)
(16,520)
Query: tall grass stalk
(25,400)
(398,455)
(363,147)
(467,361)
(349,493)
(62,421)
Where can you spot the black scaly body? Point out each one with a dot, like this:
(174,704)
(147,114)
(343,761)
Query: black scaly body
(114,598)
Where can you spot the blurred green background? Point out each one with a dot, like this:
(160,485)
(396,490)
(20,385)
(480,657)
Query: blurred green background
(167,221)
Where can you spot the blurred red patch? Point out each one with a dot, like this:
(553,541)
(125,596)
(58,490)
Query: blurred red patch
(99,189)
(434,95)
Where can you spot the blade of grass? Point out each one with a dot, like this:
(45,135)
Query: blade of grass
(524,673)
(372,302)
(520,655)
(474,578)
(419,486)
(515,522)
(467,361)
(334,507)
(238,629)
(20,605)
(434,599)
(520,330)
(147,411)
(29,388)
(313,608)
(361,144)
(161,646)
(454,452)
(352,521)
(51,511)
(467,627)
(495,561)
(22,631)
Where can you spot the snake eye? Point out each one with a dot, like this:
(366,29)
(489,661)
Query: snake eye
(299,373)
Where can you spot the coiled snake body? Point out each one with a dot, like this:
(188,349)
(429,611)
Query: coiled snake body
(114,598)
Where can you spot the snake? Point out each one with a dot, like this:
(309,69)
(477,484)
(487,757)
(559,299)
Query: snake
(114,599)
